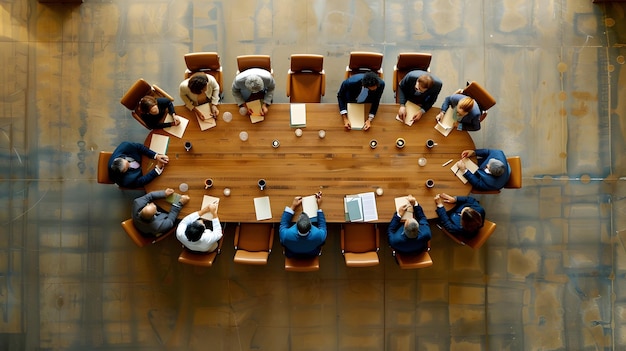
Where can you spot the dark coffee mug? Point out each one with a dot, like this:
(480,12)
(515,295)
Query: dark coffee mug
(262,183)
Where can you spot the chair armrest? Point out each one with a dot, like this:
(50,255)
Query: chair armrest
(162,92)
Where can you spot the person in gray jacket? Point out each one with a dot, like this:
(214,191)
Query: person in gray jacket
(149,219)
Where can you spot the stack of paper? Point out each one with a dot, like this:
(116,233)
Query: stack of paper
(361,207)
(309,206)
(206,201)
(411,110)
(209,121)
(469,164)
(178,130)
(256,108)
(401,202)
(298,115)
(356,115)
(159,143)
(445,125)
(262,208)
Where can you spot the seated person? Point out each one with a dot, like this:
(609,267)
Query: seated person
(421,88)
(467,112)
(361,88)
(253,84)
(413,236)
(125,165)
(150,220)
(152,110)
(195,236)
(199,89)
(464,219)
(493,169)
(302,239)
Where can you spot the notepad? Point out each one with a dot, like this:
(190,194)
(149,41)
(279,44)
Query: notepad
(206,201)
(262,208)
(411,110)
(446,124)
(309,206)
(178,130)
(209,121)
(354,209)
(356,116)
(361,207)
(469,164)
(401,202)
(297,115)
(256,107)
(159,143)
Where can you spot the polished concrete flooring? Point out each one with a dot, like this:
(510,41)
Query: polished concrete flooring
(550,278)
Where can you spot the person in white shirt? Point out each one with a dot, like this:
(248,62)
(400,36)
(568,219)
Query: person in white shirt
(195,236)
(199,89)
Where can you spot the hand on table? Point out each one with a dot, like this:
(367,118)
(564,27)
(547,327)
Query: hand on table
(438,200)
(468,153)
(169,191)
(402,113)
(367,124)
(162,158)
(214,111)
(346,122)
(184,199)
(297,201)
(447,198)
(461,165)
(264,109)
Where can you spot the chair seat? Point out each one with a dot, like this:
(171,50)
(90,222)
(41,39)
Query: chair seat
(139,239)
(412,261)
(196,259)
(365,259)
(254,258)
(302,264)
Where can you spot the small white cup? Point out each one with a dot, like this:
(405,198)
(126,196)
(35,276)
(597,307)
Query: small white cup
(298,132)
(379,191)
(227,117)
(421,161)
(226,191)
(243,136)
(321,133)
(183,187)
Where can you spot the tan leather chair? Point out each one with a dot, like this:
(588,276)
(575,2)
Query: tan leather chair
(306,79)
(103,167)
(139,239)
(136,92)
(360,243)
(207,62)
(199,259)
(483,98)
(363,61)
(253,243)
(515,179)
(302,264)
(413,261)
(245,62)
(407,62)
(476,242)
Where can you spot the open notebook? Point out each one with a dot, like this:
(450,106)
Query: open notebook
(159,143)
(356,116)
(208,122)
(309,205)
(469,164)
(411,110)
(401,202)
(206,201)
(178,130)
(255,106)
(446,124)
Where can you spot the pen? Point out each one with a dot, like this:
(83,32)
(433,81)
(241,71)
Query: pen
(447,163)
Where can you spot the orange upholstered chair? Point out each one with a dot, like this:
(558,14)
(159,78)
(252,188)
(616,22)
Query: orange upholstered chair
(407,62)
(103,167)
(363,61)
(476,242)
(413,261)
(515,179)
(245,62)
(306,79)
(360,243)
(136,92)
(139,239)
(483,98)
(200,259)
(207,62)
(253,243)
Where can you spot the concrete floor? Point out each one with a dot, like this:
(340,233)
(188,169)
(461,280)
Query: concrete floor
(550,278)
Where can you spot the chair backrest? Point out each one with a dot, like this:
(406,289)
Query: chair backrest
(200,259)
(413,261)
(360,244)
(137,91)
(483,98)
(407,62)
(245,62)
(103,167)
(483,234)
(207,62)
(363,61)
(302,264)
(306,79)
(254,236)
(140,240)
(515,179)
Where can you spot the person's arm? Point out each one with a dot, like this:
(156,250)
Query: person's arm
(141,202)
(270,85)
(446,222)
(285,222)
(405,85)
(321,223)
(424,228)
(236,90)
(343,96)
(213,236)
(144,150)
(378,93)
(214,98)
(164,104)
(446,103)
(184,92)
(471,122)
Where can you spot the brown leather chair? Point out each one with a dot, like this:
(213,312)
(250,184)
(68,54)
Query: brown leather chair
(407,62)
(483,98)
(363,61)
(302,264)
(360,243)
(253,243)
(207,62)
(136,92)
(139,239)
(306,79)
(103,167)
(245,62)
(515,179)
(476,242)
(413,261)
(200,259)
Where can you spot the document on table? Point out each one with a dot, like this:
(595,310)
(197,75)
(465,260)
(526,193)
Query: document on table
(356,116)
(256,108)
(469,164)
(361,207)
(262,208)
(159,143)
(297,116)
(178,130)
(209,121)
(446,124)
(309,205)
(411,110)
(173,198)
(401,202)
(206,201)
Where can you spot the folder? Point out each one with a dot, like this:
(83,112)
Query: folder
(178,130)
(356,116)
(262,208)
(159,143)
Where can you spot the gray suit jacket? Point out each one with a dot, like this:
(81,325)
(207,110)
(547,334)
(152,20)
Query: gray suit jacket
(241,93)
(161,222)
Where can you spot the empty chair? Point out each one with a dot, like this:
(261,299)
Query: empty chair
(413,261)
(200,259)
(477,241)
(245,62)
(515,179)
(140,240)
(302,264)
(306,79)
(360,243)
(483,98)
(137,91)
(103,167)
(362,61)
(207,62)
(407,62)
(253,243)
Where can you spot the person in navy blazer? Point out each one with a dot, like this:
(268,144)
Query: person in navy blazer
(302,239)
(421,88)
(126,173)
(414,234)
(493,169)
(466,217)
(466,109)
(370,86)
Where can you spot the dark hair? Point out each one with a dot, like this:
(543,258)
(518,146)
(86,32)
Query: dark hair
(118,165)
(471,220)
(425,80)
(197,83)
(194,231)
(146,103)
(370,79)
(304,224)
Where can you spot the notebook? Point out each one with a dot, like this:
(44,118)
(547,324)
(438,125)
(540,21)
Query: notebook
(262,208)
(356,116)
(469,164)
(206,201)
(361,207)
(173,198)
(159,143)
(411,110)
(256,107)
(297,116)
(309,205)
(178,130)
(209,121)
(446,124)
(401,202)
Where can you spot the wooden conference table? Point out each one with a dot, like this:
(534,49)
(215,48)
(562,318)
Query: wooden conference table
(342,163)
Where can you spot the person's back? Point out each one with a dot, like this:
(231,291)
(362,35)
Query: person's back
(413,235)
(194,235)
(494,170)
(303,238)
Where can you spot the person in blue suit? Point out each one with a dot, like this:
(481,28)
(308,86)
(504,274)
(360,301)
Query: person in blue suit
(493,169)
(302,239)
(466,110)
(361,88)
(414,234)
(466,217)
(125,165)
(421,88)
